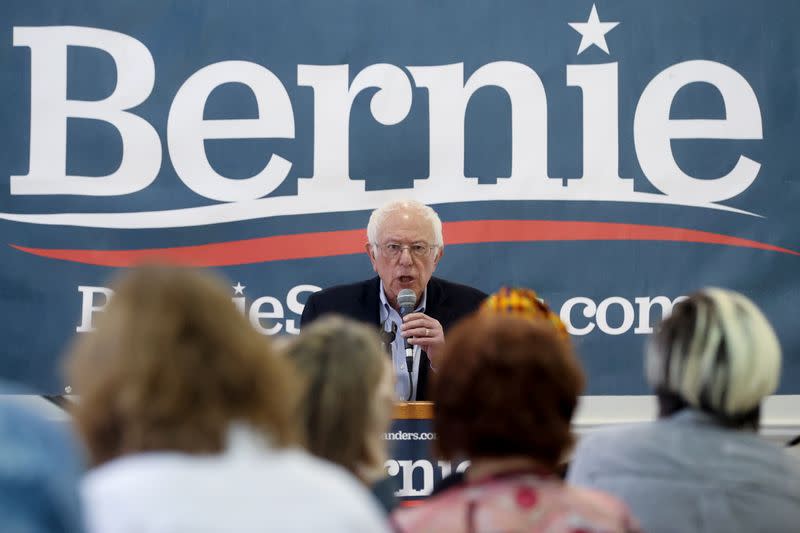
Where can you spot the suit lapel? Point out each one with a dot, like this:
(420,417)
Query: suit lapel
(368,302)
(436,305)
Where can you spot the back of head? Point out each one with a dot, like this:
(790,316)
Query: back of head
(716,352)
(524,303)
(342,364)
(506,385)
(171,365)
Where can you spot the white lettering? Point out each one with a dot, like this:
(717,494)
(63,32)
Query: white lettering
(446,467)
(50,108)
(653,130)
(407,468)
(89,307)
(645,303)
(256,314)
(627,315)
(589,309)
(239,302)
(295,306)
(449,96)
(598,84)
(187,130)
(597,314)
(333,100)
(330,188)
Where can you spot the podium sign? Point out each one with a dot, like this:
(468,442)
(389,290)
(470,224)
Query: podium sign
(413,463)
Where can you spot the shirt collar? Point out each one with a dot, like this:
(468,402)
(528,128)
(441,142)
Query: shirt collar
(690,415)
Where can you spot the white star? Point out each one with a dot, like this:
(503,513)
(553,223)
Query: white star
(238,288)
(593,32)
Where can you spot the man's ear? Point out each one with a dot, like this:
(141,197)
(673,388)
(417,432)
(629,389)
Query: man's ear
(439,254)
(371,253)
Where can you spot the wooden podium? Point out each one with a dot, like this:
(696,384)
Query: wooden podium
(413,411)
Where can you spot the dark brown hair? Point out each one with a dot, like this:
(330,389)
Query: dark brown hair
(171,365)
(506,386)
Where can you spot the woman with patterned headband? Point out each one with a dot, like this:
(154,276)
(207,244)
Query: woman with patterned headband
(504,396)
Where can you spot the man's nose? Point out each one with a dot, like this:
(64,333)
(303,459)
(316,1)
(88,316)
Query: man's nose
(405,256)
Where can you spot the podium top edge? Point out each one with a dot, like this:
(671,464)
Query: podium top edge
(413,410)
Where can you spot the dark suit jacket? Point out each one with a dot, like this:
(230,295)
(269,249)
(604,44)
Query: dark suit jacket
(447,302)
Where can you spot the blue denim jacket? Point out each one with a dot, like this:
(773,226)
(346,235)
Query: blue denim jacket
(40,469)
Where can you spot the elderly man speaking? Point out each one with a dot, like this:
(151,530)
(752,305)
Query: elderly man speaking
(404,246)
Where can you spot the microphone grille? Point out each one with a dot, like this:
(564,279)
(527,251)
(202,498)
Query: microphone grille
(406,298)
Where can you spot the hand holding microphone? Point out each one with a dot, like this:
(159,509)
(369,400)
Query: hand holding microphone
(418,328)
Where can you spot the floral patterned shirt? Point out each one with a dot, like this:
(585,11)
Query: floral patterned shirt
(522,502)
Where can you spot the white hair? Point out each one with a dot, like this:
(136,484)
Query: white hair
(378,217)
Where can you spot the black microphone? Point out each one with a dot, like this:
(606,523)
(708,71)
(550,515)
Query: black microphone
(406,300)
(387,337)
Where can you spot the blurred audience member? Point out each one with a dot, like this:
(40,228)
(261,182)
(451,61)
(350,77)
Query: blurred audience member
(187,415)
(504,395)
(39,471)
(702,467)
(347,404)
(524,303)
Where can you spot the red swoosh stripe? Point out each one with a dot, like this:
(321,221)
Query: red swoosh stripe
(333,243)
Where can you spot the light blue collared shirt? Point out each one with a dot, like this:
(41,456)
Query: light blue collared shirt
(391,318)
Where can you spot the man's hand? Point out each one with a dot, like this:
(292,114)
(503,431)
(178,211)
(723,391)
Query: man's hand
(426,332)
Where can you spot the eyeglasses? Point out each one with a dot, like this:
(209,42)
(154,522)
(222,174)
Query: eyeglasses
(418,249)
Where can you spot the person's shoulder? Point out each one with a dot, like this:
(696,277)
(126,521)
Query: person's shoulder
(622,434)
(20,422)
(127,473)
(600,508)
(357,300)
(306,464)
(593,498)
(765,460)
(603,446)
(451,288)
(346,290)
(144,485)
(28,436)
(437,513)
(131,485)
(326,476)
(331,486)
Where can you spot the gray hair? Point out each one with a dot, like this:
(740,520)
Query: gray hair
(717,351)
(378,217)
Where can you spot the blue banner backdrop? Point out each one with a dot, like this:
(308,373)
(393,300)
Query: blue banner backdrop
(611,155)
